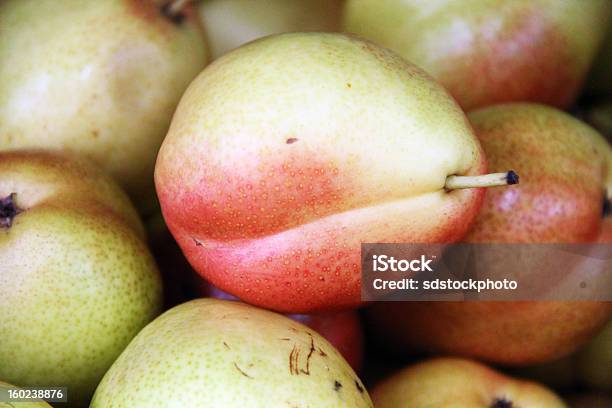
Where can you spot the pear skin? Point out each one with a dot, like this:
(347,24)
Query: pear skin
(566,168)
(487,52)
(458,383)
(97,78)
(231,23)
(287,153)
(220,353)
(77,280)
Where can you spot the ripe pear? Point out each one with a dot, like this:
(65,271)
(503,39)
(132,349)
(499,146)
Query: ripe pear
(486,52)
(231,23)
(454,382)
(289,152)
(219,353)
(77,281)
(565,167)
(98,78)
(5,387)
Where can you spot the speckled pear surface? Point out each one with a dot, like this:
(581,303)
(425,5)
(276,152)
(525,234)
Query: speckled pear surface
(287,153)
(231,23)
(459,383)
(6,386)
(217,353)
(77,281)
(490,51)
(565,168)
(99,78)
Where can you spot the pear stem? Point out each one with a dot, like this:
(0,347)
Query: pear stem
(8,210)
(485,180)
(175,7)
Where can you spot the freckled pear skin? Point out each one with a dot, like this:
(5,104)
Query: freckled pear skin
(77,281)
(565,167)
(490,51)
(459,383)
(287,153)
(218,353)
(97,78)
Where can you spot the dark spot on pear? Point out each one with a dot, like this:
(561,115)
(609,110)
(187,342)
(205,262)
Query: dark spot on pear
(359,387)
(292,140)
(501,403)
(337,385)
(8,210)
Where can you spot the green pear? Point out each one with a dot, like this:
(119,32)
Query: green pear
(231,23)
(77,281)
(490,51)
(100,78)
(594,361)
(5,387)
(220,353)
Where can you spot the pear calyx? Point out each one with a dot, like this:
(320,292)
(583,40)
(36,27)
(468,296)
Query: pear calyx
(174,10)
(607,206)
(8,210)
(501,403)
(485,180)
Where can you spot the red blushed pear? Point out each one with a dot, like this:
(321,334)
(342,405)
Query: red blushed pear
(566,168)
(487,52)
(453,382)
(286,154)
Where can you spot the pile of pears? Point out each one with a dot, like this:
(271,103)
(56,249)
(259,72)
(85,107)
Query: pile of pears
(185,186)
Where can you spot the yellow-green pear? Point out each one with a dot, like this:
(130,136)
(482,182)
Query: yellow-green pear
(460,383)
(231,23)
(100,78)
(219,353)
(4,387)
(77,281)
(490,51)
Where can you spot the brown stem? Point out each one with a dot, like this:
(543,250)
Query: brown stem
(485,180)
(8,210)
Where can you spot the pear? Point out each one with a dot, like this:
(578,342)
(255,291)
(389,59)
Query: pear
(231,23)
(5,387)
(289,152)
(486,52)
(566,168)
(98,78)
(454,382)
(220,353)
(77,281)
